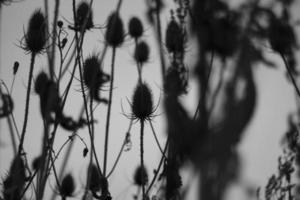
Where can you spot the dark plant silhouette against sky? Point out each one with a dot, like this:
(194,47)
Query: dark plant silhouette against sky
(72,134)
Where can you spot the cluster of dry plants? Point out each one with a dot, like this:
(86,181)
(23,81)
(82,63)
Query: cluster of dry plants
(229,42)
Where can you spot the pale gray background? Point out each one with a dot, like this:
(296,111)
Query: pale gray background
(260,146)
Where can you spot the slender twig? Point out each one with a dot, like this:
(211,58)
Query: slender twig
(142,157)
(54,35)
(121,150)
(291,75)
(156,139)
(109,110)
(11,130)
(12,84)
(158,168)
(29,183)
(70,58)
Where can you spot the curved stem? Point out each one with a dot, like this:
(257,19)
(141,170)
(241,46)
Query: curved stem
(109,109)
(158,168)
(156,140)
(27,103)
(121,150)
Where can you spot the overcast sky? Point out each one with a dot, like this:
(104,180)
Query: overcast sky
(260,146)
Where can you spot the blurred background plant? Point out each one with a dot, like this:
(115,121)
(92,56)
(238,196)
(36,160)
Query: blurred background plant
(189,111)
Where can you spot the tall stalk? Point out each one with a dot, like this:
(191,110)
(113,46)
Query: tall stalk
(27,103)
(109,110)
(142,157)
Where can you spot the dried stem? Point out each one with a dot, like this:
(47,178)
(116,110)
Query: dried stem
(109,110)
(27,103)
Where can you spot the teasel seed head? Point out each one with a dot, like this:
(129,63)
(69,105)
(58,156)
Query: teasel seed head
(67,186)
(13,185)
(140,176)
(35,37)
(84,11)
(93,76)
(95,183)
(142,104)
(141,53)
(41,82)
(114,35)
(135,27)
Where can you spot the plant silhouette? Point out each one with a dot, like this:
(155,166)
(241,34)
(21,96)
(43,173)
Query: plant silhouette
(228,42)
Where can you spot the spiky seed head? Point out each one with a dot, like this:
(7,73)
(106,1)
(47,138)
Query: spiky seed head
(95,183)
(142,104)
(41,82)
(94,77)
(84,11)
(35,37)
(140,176)
(91,69)
(13,185)
(67,186)
(141,53)
(135,27)
(114,35)
(174,37)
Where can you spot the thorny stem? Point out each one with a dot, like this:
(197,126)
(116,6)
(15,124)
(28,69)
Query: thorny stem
(142,157)
(109,109)
(27,103)
(291,75)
